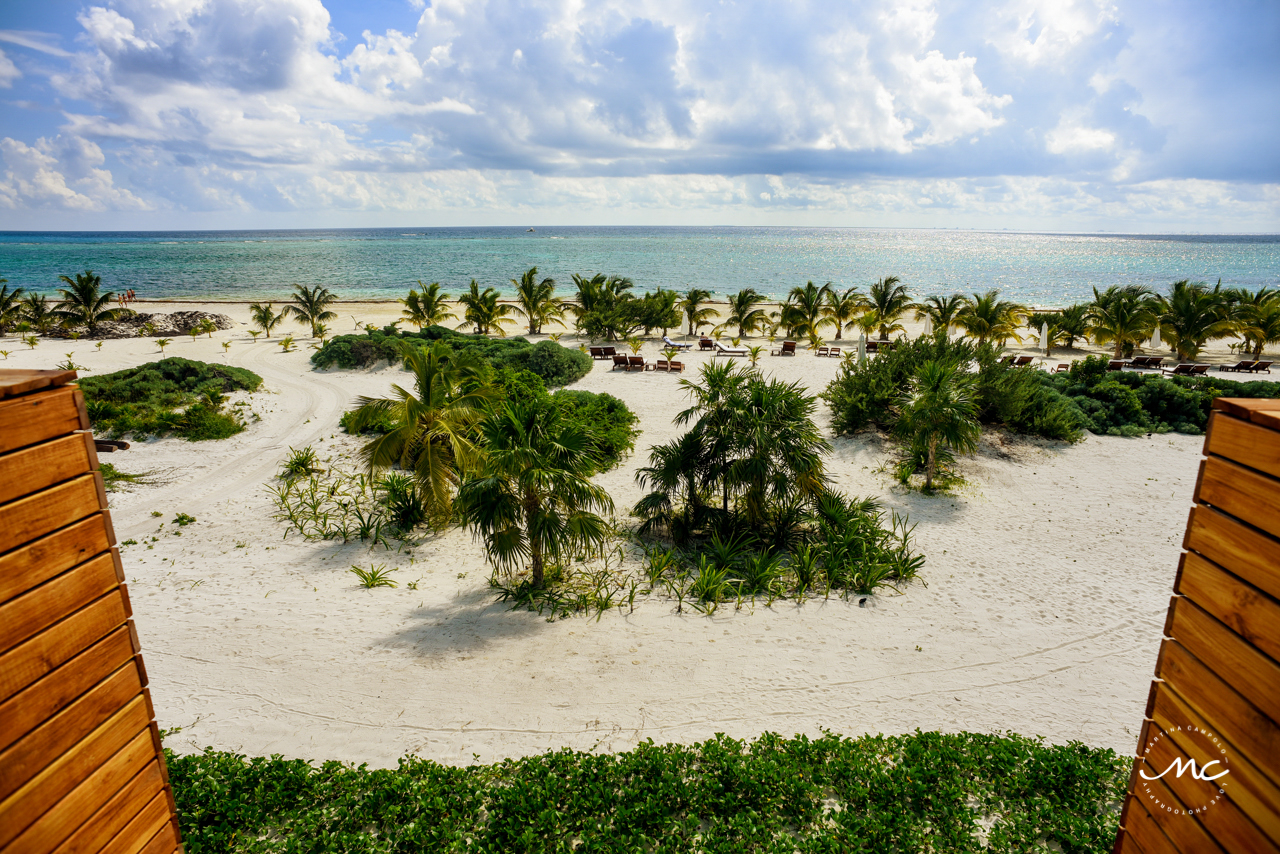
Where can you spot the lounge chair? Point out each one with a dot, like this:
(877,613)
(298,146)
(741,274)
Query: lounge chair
(1007,360)
(1117,365)
(1242,365)
(1261,366)
(636,363)
(822,351)
(834,351)
(669,367)
(1153,363)
(610,352)
(722,350)
(788,349)
(596,352)
(670,343)
(620,361)
(1063,367)
(706,344)
(1022,361)
(1186,369)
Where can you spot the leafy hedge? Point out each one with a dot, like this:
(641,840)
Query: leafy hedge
(920,792)
(558,366)
(145,401)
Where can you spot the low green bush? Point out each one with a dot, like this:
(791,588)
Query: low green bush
(926,791)
(171,396)
(603,417)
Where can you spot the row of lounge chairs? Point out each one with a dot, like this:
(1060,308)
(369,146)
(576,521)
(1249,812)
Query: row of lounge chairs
(1185,369)
(1018,361)
(1253,366)
(638,363)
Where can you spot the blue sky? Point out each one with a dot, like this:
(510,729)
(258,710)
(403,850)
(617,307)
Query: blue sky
(1074,115)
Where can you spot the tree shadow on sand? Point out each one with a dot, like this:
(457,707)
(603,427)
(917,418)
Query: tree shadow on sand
(471,622)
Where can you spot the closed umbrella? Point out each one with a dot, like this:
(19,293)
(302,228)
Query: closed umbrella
(1155,339)
(862,348)
(1044,337)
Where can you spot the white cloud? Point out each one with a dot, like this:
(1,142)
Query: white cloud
(8,71)
(1072,138)
(63,173)
(1044,31)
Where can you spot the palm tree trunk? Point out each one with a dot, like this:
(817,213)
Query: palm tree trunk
(531,507)
(1119,345)
(931,464)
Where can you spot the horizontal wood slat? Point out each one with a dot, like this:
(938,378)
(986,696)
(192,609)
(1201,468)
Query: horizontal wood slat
(1139,824)
(69,814)
(1240,441)
(36,515)
(164,842)
(25,710)
(1251,554)
(40,608)
(118,811)
(1239,721)
(1170,814)
(1270,420)
(15,381)
(71,769)
(42,559)
(138,832)
(41,466)
(1240,492)
(1244,407)
(32,659)
(1244,609)
(1253,675)
(1250,790)
(38,418)
(36,750)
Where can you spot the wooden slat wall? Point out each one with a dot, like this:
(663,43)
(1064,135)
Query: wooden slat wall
(80,762)
(1216,695)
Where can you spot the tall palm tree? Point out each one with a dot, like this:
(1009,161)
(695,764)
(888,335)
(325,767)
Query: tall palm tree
(1121,316)
(717,397)
(985,317)
(265,317)
(678,473)
(889,301)
(803,313)
(436,424)
(691,303)
(1074,323)
(1259,320)
(483,311)
(532,500)
(536,301)
(1192,314)
(940,408)
(311,306)
(37,311)
(941,312)
(426,308)
(10,308)
(83,302)
(744,313)
(842,310)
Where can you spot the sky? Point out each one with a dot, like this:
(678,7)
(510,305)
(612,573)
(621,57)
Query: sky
(1046,115)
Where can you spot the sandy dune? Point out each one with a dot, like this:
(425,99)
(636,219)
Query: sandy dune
(1048,578)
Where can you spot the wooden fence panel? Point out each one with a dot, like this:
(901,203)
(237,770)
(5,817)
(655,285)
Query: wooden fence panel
(1207,772)
(81,769)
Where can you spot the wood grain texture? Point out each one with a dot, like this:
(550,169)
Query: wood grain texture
(38,609)
(73,768)
(1254,676)
(36,562)
(1250,554)
(1170,814)
(1251,497)
(113,815)
(1243,442)
(24,711)
(34,516)
(1248,730)
(164,842)
(43,745)
(41,466)
(50,649)
(69,814)
(15,381)
(1139,824)
(138,832)
(1250,790)
(1270,420)
(38,418)
(1243,407)
(1241,607)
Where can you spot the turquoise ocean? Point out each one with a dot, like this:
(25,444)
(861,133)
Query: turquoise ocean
(1035,269)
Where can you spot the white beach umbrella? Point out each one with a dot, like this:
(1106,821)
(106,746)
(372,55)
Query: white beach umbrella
(1044,337)
(862,347)
(928,324)
(1155,339)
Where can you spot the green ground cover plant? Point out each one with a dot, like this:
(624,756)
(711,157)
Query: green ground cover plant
(961,792)
(556,365)
(172,396)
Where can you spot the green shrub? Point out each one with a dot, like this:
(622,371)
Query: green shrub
(924,791)
(603,417)
(146,400)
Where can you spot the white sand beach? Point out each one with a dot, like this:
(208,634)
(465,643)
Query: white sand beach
(1048,578)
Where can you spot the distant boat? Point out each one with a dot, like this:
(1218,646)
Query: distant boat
(527,230)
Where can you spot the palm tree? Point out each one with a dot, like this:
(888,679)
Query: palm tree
(532,499)
(83,303)
(37,312)
(1192,314)
(985,317)
(742,312)
(483,312)
(691,303)
(941,312)
(889,301)
(1122,316)
(1259,320)
(436,424)
(802,313)
(843,309)
(678,472)
(206,326)
(426,308)
(311,306)
(264,317)
(940,408)
(10,308)
(536,300)
(1074,323)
